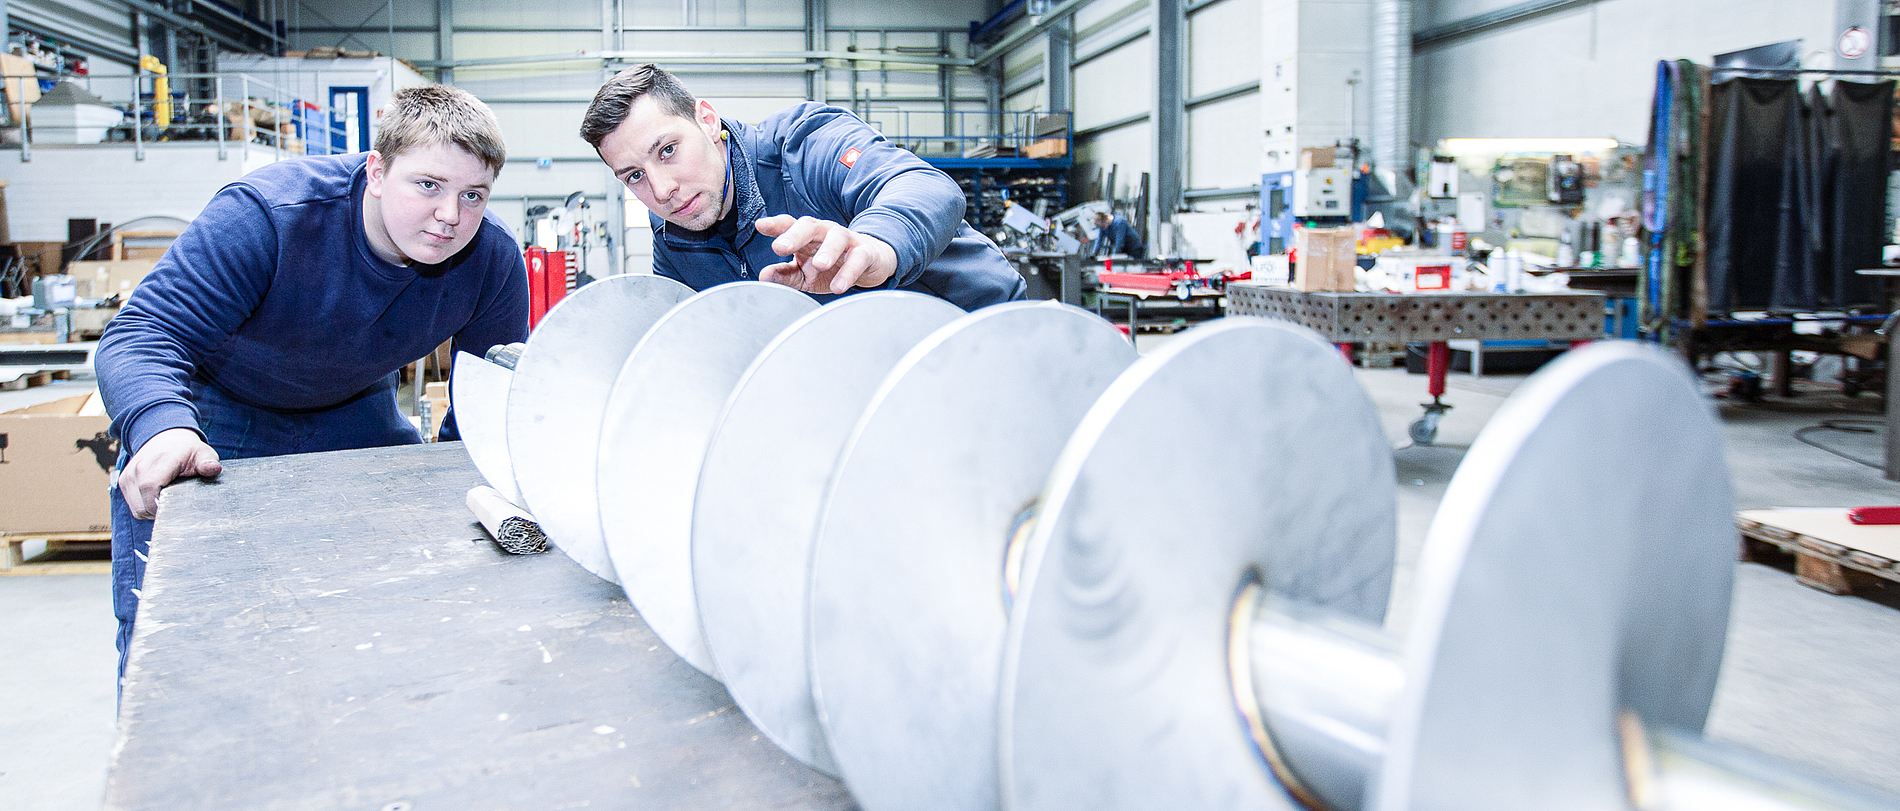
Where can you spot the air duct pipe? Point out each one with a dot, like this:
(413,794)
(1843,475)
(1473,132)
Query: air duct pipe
(1392,89)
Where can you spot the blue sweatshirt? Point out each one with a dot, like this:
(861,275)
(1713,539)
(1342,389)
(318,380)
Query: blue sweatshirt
(814,160)
(274,296)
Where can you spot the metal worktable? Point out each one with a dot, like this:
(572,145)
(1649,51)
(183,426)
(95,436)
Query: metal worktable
(1427,317)
(1435,319)
(333,631)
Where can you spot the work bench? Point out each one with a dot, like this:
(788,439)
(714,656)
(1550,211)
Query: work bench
(334,631)
(1434,319)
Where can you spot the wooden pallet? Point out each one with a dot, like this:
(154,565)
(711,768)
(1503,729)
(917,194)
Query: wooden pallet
(1830,553)
(93,544)
(35,380)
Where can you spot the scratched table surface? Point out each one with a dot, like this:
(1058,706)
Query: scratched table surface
(333,631)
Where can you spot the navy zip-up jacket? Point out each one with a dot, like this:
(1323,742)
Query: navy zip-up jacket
(815,160)
(274,296)
(1120,238)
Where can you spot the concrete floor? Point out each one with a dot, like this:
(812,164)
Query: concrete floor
(56,633)
(1808,677)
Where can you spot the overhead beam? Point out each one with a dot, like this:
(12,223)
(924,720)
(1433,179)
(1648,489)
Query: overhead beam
(1491,20)
(255,26)
(712,58)
(29,18)
(181,22)
(1022,35)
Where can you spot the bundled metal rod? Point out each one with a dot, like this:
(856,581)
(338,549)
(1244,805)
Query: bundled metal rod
(512,528)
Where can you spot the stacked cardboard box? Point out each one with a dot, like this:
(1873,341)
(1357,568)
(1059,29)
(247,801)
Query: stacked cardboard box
(1324,259)
(1048,148)
(58,464)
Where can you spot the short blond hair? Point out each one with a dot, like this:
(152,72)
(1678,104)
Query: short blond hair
(421,117)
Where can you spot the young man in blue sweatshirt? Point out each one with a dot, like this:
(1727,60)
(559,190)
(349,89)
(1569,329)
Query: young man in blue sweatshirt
(812,197)
(278,320)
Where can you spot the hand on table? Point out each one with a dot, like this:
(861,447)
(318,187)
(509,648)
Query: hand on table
(173,454)
(825,257)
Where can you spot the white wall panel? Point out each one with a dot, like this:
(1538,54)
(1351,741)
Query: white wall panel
(407,45)
(871,82)
(751,110)
(785,88)
(747,42)
(1326,110)
(1035,98)
(370,14)
(660,12)
(873,13)
(514,13)
(567,80)
(1125,148)
(1024,63)
(542,130)
(1116,85)
(1095,14)
(483,45)
(1589,71)
(1222,40)
(523,179)
(109,184)
(1223,139)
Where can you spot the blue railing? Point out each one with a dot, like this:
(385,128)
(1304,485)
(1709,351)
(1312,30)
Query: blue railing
(975,133)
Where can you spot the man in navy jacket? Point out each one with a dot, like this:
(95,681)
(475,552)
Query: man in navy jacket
(277,321)
(812,197)
(1117,237)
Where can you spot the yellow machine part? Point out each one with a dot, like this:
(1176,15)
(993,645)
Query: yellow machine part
(161,90)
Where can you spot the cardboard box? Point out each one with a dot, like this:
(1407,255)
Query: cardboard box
(55,466)
(42,258)
(22,82)
(1316,157)
(1324,259)
(1048,148)
(99,279)
(89,323)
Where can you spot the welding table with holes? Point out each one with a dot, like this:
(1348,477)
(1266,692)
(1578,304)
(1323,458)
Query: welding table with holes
(332,631)
(1433,318)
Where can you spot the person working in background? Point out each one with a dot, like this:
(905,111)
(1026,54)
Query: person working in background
(278,321)
(1116,237)
(812,197)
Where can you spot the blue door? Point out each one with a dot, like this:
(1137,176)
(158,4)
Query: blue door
(349,119)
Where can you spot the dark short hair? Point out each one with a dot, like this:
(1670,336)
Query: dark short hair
(422,117)
(616,97)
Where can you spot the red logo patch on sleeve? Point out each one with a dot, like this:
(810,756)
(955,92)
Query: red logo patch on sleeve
(850,157)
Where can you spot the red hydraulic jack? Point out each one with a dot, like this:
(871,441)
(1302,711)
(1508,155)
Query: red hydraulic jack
(1424,430)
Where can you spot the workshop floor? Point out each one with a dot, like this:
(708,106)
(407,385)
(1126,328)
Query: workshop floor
(1808,676)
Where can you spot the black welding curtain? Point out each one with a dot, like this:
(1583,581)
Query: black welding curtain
(1797,193)
(1859,140)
